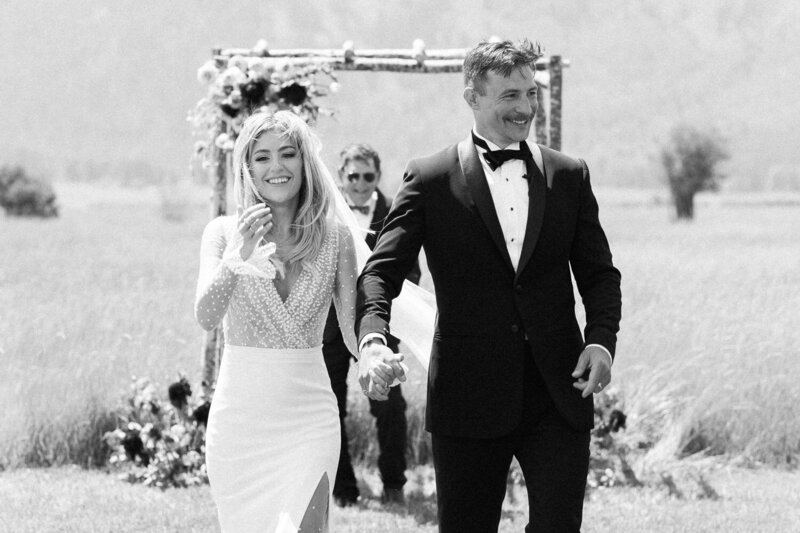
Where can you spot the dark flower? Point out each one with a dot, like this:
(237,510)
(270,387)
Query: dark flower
(200,415)
(293,94)
(154,433)
(253,91)
(616,420)
(229,110)
(179,393)
(134,447)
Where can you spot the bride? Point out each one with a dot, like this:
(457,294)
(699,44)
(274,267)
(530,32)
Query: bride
(269,274)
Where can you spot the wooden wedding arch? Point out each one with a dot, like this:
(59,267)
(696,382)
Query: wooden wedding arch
(417,60)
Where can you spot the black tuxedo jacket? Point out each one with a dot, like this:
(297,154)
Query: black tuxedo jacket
(489,315)
(332,334)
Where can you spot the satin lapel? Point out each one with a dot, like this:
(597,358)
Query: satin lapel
(537,192)
(481,196)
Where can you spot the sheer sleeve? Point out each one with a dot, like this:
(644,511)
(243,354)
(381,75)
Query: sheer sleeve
(344,290)
(216,281)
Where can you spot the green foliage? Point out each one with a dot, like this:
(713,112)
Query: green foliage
(23,195)
(157,443)
(690,159)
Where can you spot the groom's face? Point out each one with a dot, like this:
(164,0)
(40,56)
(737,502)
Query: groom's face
(504,107)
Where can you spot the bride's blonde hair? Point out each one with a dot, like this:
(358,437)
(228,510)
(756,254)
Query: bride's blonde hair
(310,223)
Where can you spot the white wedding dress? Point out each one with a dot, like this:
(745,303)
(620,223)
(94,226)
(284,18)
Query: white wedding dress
(272,444)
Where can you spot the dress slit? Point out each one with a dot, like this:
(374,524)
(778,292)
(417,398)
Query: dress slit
(315,519)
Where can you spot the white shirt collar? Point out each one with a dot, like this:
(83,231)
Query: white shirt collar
(535,150)
(492,146)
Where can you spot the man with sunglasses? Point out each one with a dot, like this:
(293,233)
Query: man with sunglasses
(359,175)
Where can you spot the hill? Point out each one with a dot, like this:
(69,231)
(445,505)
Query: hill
(92,90)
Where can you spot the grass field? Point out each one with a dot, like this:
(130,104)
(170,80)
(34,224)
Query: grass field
(68,500)
(707,357)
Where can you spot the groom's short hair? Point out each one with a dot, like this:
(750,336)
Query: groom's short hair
(502,57)
(361,152)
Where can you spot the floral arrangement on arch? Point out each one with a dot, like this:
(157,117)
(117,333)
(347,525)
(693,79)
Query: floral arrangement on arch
(243,85)
(157,443)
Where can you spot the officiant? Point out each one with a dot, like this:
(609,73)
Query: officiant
(359,175)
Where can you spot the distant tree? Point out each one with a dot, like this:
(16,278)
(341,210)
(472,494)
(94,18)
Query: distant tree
(22,195)
(690,160)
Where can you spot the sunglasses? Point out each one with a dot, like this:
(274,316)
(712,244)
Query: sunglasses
(369,177)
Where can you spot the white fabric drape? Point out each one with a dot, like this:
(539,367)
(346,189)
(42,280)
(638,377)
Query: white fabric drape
(414,310)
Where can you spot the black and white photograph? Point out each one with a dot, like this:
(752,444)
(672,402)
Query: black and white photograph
(399,266)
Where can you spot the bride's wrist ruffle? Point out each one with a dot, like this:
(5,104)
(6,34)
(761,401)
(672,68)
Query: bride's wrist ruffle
(262,263)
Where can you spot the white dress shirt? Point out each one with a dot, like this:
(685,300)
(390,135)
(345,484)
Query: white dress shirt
(365,219)
(510,195)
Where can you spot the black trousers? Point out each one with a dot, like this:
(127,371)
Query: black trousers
(390,422)
(471,473)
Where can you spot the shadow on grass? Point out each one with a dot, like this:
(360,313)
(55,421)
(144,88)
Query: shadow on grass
(422,508)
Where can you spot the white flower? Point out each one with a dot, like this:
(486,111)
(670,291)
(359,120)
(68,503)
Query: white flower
(192,458)
(233,76)
(334,87)
(261,47)
(234,99)
(223,142)
(207,73)
(257,69)
(235,124)
(239,62)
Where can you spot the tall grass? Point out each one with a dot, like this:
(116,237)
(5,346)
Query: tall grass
(707,356)
(87,301)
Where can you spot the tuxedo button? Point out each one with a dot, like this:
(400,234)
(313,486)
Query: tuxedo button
(514,328)
(518,289)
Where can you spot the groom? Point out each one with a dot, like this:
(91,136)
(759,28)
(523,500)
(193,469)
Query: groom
(504,224)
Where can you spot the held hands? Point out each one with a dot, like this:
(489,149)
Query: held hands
(378,367)
(254,222)
(597,362)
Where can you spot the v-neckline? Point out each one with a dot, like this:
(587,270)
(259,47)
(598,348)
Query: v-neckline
(291,289)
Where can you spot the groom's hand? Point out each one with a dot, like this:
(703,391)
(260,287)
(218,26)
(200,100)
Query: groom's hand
(378,367)
(596,361)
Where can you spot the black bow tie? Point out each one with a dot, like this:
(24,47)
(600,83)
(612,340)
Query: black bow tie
(363,209)
(495,158)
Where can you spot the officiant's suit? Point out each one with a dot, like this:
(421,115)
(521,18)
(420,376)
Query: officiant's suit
(506,339)
(390,416)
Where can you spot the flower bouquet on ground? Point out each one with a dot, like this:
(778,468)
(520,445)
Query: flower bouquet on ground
(160,443)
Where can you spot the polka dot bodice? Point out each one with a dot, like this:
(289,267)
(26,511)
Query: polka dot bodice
(250,307)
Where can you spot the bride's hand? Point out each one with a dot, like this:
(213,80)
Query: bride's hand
(378,367)
(254,222)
